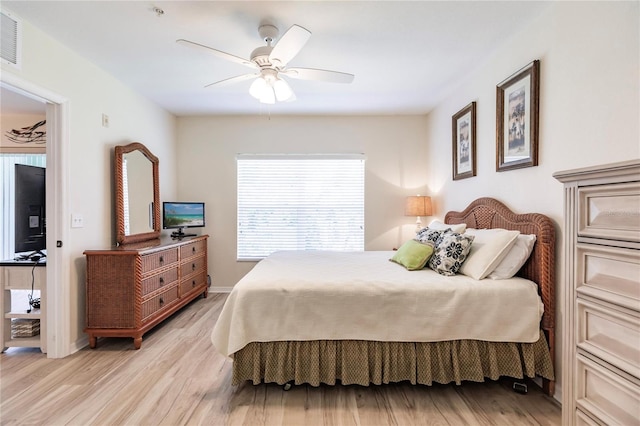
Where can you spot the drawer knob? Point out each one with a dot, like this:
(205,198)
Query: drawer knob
(193,266)
(193,249)
(161,301)
(193,283)
(161,259)
(161,281)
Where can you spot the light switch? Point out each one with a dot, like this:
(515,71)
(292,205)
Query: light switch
(77,221)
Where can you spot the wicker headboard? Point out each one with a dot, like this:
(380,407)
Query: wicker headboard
(540,268)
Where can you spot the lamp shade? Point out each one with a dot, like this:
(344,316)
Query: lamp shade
(418,206)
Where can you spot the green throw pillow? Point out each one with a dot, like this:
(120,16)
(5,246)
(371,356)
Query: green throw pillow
(413,255)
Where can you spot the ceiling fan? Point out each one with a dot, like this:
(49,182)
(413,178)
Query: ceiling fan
(270,64)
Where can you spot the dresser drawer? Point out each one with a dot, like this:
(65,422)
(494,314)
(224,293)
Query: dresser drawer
(160,280)
(189,284)
(159,259)
(610,211)
(609,273)
(605,395)
(611,335)
(159,302)
(192,266)
(195,248)
(584,420)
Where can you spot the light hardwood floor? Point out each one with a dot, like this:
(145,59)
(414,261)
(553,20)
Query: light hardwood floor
(177,378)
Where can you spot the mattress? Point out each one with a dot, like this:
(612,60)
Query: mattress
(322,295)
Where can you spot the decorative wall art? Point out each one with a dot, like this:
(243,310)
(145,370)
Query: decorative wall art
(464,142)
(517,119)
(35,134)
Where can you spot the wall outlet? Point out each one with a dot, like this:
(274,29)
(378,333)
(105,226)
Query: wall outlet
(105,120)
(77,221)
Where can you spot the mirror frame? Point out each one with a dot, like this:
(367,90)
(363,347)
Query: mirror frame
(121,238)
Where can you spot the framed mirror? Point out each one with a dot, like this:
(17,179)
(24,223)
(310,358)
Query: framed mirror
(137,194)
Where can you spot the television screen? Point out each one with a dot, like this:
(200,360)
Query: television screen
(30,208)
(182,215)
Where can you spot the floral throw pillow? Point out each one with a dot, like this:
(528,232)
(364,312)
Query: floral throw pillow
(450,253)
(430,236)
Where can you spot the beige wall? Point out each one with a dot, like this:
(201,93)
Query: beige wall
(589,112)
(91,92)
(395,149)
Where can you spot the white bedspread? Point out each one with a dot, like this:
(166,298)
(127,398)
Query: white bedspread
(319,295)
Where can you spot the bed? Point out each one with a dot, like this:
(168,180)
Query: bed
(370,321)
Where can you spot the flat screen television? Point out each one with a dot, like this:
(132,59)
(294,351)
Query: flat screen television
(30,211)
(180,215)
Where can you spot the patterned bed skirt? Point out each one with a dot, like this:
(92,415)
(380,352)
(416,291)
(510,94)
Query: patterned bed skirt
(365,362)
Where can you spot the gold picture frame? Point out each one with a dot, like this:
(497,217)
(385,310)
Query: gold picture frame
(517,104)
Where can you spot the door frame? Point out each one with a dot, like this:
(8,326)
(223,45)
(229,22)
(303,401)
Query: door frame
(58,287)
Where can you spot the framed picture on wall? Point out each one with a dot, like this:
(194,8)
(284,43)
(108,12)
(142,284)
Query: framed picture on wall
(517,119)
(463,133)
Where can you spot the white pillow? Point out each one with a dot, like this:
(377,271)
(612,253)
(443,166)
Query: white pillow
(489,247)
(439,226)
(513,261)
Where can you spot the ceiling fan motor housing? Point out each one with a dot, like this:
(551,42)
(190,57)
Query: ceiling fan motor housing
(260,56)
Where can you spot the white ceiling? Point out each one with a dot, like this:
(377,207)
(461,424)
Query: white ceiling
(14,103)
(406,55)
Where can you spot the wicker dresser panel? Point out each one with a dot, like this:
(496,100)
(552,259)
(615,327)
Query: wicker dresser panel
(194,282)
(162,301)
(155,282)
(111,295)
(196,248)
(153,261)
(192,266)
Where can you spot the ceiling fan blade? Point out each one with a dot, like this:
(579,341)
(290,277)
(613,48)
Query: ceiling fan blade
(319,75)
(289,45)
(218,53)
(231,80)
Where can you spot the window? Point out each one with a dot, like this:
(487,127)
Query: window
(7,186)
(299,202)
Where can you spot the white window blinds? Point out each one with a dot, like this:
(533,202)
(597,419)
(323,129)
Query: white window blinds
(299,202)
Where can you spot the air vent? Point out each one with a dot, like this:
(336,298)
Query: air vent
(11,29)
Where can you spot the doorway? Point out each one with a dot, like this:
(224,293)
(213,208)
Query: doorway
(57,275)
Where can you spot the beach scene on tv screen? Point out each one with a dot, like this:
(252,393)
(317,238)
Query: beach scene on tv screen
(184,215)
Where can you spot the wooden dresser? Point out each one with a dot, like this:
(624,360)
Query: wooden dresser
(601,332)
(131,288)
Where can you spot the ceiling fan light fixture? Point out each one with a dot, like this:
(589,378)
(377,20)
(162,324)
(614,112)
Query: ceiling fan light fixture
(258,87)
(282,90)
(268,96)
(262,91)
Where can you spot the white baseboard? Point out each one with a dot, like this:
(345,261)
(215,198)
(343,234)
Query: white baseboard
(78,344)
(220,289)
